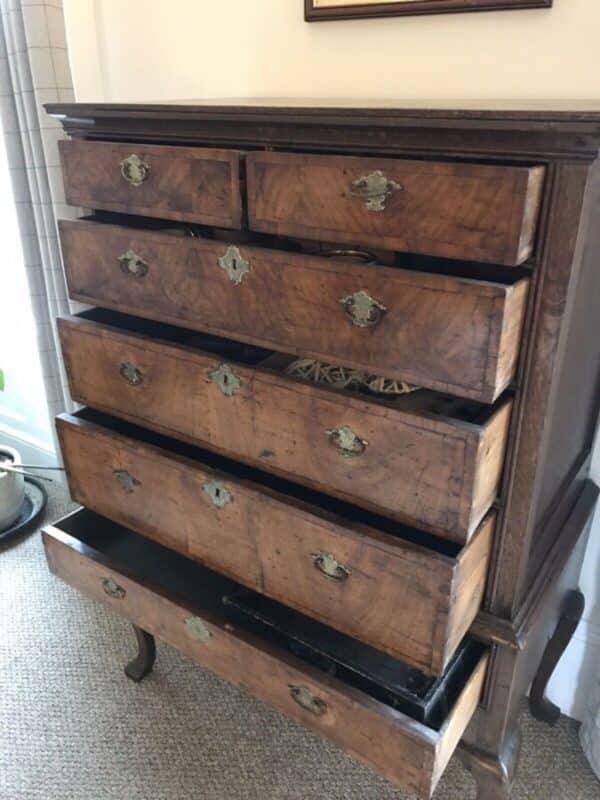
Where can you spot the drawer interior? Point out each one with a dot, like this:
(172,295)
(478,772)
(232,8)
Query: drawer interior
(340,512)
(428,700)
(422,402)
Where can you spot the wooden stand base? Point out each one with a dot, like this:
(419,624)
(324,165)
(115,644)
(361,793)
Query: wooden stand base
(144,661)
(494,774)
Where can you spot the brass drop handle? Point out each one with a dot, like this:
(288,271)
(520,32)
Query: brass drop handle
(329,566)
(346,441)
(126,480)
(307,700)
(374,189)
(113,589)
(132,264)
(363,310)
(134,170)
(130,373)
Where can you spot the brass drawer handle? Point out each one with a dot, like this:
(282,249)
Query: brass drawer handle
(220,496)
(134,170)
(331,567)
(363,310)
(131,373)
(132,264)
(226,379)
(113,589)
(126,480)
(374,189)
(307,700)
(234,264)
(347,442)
(197,629)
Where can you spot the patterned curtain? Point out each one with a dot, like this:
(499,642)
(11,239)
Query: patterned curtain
(34,69)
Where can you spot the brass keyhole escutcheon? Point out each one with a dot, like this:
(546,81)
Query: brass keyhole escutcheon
(218,493)
(132,264)
(226,379)
(234,264)
(329,566)
(346,441)
(112,589)
(307,700)
(363,310)
(131,373)
(374,189)
(135,170)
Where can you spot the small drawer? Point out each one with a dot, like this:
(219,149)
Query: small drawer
(423,458)
(454,335)
(410,594)
(466,211)
(182,603)
(190,184)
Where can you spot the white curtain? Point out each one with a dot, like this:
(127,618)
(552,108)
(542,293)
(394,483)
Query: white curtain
(34,69)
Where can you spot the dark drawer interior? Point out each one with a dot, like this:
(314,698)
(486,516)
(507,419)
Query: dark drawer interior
(386,679)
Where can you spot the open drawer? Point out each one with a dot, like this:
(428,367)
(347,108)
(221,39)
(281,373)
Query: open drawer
(424,458)
(183,604)
(396,588)
(460,335)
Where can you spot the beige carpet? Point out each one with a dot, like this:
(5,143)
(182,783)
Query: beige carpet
(72,727)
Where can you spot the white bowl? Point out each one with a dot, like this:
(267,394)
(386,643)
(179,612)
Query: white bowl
(12,489)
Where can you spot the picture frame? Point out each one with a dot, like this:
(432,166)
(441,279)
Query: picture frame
(323,10)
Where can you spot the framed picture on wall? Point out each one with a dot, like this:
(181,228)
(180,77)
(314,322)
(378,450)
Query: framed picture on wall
(320,10)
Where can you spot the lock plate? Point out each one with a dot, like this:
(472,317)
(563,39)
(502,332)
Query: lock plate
(226,379)
(374,189)
(346,441)
(363,310)
(218,493)
(132,264)
(234,264)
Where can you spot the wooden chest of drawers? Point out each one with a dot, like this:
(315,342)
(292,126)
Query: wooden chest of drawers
(383,552)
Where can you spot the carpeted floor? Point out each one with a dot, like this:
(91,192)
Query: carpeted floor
(72,727)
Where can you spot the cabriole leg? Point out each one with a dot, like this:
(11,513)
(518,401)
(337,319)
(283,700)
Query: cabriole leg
(572,611)
(144,661)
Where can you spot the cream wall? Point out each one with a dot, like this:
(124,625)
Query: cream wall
(159,49)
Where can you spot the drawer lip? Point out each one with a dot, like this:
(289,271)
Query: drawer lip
(230,218)
(516,235)
(472,461)
(448,591)
(437,746)
(484,354)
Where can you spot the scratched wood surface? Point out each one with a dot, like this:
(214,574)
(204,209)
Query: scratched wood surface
(402,749)
(471,211)
(191,184)
(269,540)
(450,334)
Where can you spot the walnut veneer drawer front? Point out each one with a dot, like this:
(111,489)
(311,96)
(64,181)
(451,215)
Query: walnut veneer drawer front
(423,458)
(451,334)
(112,565)
(465,211)
(399,590)
(190,184)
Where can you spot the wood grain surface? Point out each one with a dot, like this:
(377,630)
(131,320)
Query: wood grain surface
(400,597)
(465,211)
(450,334)
(192,184)
(402,749)
(422,468)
